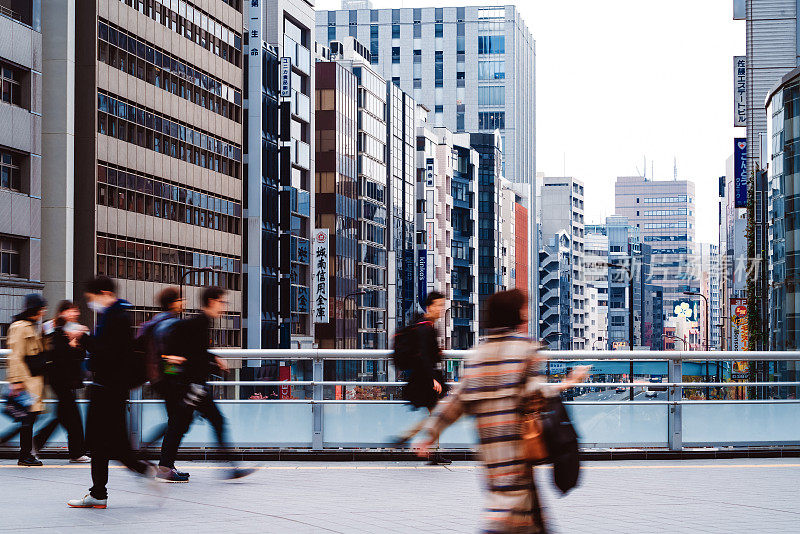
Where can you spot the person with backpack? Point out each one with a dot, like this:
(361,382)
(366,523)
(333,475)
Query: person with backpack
(65,377)
(116,369)
(25,373)
(503,372)
(153,339)
(418,355)
(188,350)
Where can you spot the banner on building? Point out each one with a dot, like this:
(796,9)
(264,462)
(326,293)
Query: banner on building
(429,172)
(740,171)
(422,276)
(739,329)
(320,265)
(429,237)
(739,90)
(286,77)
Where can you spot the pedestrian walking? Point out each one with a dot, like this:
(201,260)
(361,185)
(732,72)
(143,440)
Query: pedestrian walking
(25,372)
(504,370)
(114,368)
(65,377)
(418,351)
(188,352)
(154,338)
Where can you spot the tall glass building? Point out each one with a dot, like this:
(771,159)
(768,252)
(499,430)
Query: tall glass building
(473,67)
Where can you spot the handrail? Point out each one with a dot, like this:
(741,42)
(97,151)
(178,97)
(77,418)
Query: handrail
(553,355)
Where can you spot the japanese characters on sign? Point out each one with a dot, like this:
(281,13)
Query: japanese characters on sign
(739,334)
(429,172)
(286,77)
(429,238)
(319,266)
(739,91)
(740,171)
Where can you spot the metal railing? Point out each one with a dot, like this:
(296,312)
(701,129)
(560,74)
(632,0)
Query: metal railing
(305,418)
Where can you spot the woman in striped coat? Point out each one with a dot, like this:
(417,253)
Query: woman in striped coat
(491,390)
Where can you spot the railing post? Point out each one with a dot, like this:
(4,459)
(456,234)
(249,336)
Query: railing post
(316,409)
(674,419)
(135,418)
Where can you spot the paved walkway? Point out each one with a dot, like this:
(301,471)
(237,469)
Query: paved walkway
(719,496)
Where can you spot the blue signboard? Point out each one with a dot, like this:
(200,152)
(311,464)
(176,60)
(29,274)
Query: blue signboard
(740,171)
(422,282)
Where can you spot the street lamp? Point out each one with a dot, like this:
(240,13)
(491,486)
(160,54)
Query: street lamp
(708,327)
(192,271)
(630,308)
(344,304)
(675,338)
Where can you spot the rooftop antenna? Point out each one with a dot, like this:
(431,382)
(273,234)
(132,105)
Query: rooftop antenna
(675,168)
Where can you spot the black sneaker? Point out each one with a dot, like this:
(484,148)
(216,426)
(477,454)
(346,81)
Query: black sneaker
(182,473)
(171,476)
(239,472)
(438,459)
(31,461)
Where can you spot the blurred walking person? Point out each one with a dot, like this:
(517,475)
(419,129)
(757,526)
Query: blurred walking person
(25,373)
(423,357)
(503,371)
(188,350)
(154,338)
(65,377)
(114,368)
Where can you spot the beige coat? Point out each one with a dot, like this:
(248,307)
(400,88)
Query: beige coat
(25,339)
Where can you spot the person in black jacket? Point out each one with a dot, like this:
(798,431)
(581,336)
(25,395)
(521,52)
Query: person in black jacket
(426,382)
(65,376)
(110,354)
(187,351)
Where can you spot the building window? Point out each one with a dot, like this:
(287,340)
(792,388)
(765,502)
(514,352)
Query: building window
(331,33)
(11,88)
(417,83)
(492,70)
(9,256)
(439,30)
(395,31)
(491,120)
(491,44)
(10,174)
(493,95)
(439,68)
(396,80)
(417,56)
(395,54)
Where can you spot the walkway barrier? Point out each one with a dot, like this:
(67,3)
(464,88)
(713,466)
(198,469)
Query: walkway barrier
(680,400)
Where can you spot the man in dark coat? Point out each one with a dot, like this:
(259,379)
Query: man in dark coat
(426,381)
(110,351)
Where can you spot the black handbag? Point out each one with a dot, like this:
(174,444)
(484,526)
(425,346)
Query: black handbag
(562,444)
(38,364)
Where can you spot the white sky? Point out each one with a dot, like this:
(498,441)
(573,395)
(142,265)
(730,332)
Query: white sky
(620,80)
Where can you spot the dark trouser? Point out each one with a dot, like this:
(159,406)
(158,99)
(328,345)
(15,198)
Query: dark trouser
(172,393)
(108,437)
(181,419)
(68,416)
(26,436)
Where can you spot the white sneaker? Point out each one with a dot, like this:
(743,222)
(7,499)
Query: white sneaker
(88,502)
(81,460)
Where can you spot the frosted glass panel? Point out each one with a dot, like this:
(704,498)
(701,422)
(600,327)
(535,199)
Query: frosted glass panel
(642,424)
(741,423)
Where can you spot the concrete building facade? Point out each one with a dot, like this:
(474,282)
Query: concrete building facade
(21,184)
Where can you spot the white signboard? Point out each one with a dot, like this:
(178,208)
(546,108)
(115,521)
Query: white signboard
(429,173)
(286,77)
(739,90)
(320,264)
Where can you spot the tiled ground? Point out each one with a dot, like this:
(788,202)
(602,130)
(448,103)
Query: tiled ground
(720,496)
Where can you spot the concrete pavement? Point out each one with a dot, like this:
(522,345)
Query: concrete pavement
(718,496)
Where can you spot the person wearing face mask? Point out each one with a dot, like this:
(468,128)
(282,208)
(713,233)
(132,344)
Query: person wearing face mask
(65,376)
(110,352)
(24,372)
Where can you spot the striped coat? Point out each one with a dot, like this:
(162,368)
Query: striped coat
(490,391)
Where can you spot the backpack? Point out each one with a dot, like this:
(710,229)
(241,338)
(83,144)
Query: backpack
(151,344)
(406,346)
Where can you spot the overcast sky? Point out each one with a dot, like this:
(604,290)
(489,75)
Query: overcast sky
(617,81)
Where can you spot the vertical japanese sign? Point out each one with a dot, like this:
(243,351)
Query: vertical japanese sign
(739,90)
(319,262)
(739,325)
(429,172)
(740,171)
(429,237)
(286,77)
(422,274)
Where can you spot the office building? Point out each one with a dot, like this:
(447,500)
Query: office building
(596,278)
(158,150)
(21,187)
(493,53)
(709,263)
(561,207)
(555,284)
(507,212)
(595,321)
(663,212)
(464,304)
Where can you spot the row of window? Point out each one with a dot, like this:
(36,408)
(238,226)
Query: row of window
(10,78)
(683,237)
(163,70)
(661,226)
(154,131)
(493,95)
(122,189)
(491,120)
(664,200)
(491,44)
(10,173)
(665,213)
(195,25)
(155,262)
